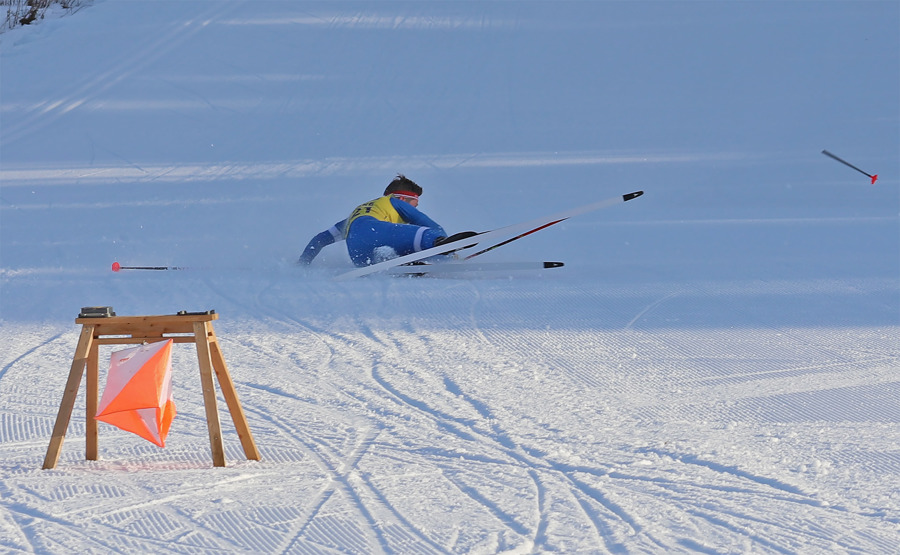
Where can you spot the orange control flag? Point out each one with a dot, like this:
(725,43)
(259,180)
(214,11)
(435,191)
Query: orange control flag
(138,393)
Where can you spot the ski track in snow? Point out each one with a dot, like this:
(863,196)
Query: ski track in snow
(378,358)
(369,396)
(92,85)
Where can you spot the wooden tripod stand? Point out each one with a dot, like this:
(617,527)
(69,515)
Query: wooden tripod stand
(125,330)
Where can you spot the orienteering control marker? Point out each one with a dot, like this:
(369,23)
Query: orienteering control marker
(100,326)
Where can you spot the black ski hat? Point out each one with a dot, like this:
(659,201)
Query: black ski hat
(403,185)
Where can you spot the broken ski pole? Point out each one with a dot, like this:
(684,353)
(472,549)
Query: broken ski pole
(116,267)
(848,164)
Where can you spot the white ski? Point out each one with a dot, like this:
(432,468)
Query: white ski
(461,267)
(489,239)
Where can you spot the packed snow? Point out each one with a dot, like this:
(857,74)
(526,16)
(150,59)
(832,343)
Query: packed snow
(715,369)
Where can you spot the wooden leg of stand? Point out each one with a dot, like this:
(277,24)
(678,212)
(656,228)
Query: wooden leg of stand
(201,336)
(85,343)
(92,394)
(231,398)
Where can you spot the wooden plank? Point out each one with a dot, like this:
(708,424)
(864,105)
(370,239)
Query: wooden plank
(154,319)
(139,340)
(231,398)
(144,328)
(92,393)
(146,325)
(71,392)
(209,393)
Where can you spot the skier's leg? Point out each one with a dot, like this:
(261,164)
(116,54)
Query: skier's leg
(368,234)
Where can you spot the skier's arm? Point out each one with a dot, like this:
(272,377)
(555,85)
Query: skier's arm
(322,240)
(413,215)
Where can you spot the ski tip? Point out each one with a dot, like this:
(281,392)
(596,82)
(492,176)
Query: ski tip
(874,178)
(630,196)
(554,264)
(116,266)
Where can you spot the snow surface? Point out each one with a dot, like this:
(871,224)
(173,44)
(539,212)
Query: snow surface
(715,370)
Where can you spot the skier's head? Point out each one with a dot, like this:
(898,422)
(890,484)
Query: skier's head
(403,187)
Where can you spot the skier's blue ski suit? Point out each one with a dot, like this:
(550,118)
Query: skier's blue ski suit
(383,222)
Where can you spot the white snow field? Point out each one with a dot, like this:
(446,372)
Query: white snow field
(715,370)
